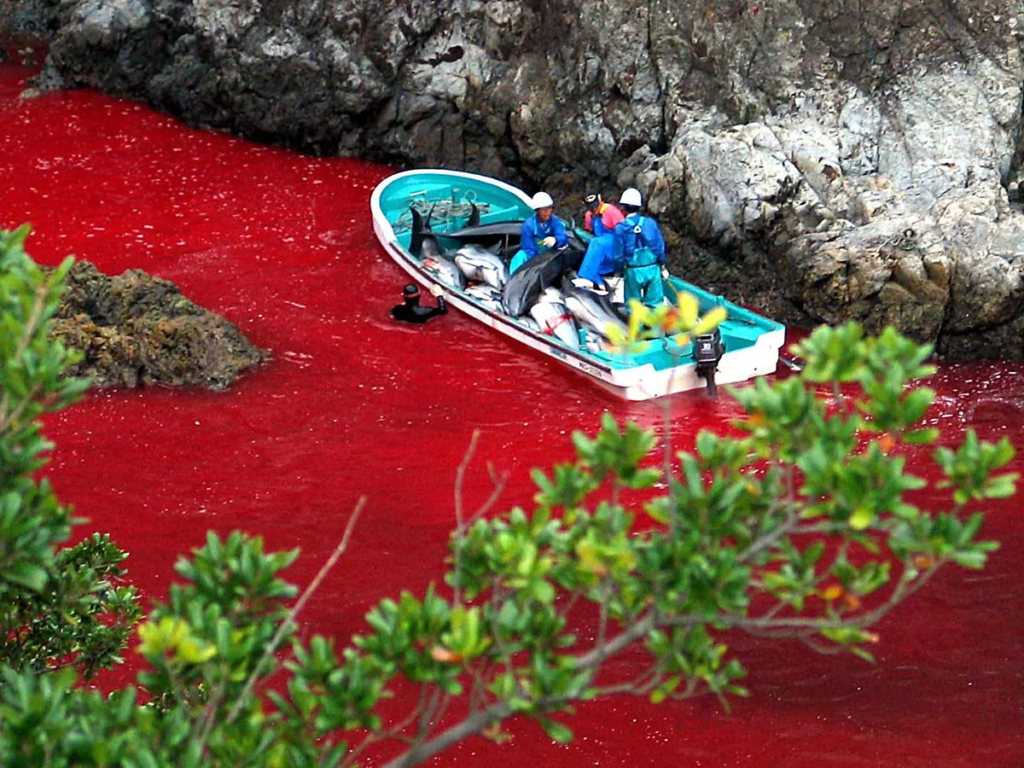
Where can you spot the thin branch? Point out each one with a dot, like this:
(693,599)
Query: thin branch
(784,627)
(641,685)
(395,732)
(775,610)
(477,692)
(462,523)
(666,459)
(826,527)
(473,724)
(771,539)
(289,620)
(211,713)
(460,476)
(8,419)
(442,707)
(427,714)
(825,650)
(797,628)
(31,327)
(837,392)
(500,710)
(33,322)
(602,624)
(500,481)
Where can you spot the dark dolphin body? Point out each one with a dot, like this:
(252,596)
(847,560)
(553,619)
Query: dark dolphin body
(474,232)
(575,241)
(503,235)
(524,287)
(488,232)
(423,242)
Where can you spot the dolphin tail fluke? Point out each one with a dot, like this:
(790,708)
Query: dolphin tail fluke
(474,217)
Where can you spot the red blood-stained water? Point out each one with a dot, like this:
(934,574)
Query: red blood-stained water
(353,405)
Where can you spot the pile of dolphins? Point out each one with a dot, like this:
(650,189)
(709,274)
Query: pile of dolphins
(541,294)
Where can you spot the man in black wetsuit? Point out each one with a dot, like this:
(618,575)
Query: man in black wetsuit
(412,312)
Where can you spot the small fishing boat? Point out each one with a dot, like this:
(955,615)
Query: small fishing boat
(452,208)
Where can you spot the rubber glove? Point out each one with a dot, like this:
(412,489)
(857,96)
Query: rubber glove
(436,290)
(548,242)
(664,272)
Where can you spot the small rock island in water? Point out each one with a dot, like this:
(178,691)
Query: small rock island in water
(135,330)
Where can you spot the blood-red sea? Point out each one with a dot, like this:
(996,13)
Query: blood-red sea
(353,405)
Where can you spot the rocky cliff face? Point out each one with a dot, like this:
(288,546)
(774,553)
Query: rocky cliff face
(826,158)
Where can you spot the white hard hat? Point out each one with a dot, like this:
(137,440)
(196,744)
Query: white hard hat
(542,200)
(631,197)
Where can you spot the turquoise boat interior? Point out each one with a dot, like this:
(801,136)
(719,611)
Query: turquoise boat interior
(449,201)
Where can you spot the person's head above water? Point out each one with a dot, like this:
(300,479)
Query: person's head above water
(411,294)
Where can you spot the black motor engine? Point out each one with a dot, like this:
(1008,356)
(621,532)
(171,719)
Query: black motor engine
(707,351)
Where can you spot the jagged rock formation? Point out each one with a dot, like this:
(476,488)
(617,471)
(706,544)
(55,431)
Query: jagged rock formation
(136,330)
(830,158)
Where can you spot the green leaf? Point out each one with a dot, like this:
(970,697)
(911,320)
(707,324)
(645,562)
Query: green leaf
(557,731)
(970,559)
(863,654)
(27,574)
(861,518)
(921,436)
(1001,487)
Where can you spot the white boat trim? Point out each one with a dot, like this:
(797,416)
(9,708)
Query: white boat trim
(641,382)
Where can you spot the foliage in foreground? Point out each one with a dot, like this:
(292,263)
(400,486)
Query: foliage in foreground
(799,528)
(57,608)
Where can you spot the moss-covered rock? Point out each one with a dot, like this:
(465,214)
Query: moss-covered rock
(135,329)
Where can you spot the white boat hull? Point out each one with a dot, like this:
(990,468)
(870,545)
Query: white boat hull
(642,382)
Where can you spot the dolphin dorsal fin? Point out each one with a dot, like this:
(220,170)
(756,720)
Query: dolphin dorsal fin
(474,217)
(416,239)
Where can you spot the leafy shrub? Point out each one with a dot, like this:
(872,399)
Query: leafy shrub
(802,527)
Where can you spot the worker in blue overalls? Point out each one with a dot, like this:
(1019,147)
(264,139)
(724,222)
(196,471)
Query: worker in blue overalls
(601,219)
(540,233)
(639,247)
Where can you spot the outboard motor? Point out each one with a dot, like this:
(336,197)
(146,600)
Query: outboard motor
(707,351)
